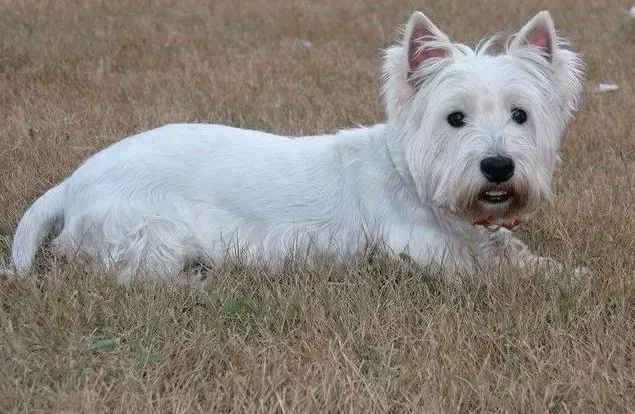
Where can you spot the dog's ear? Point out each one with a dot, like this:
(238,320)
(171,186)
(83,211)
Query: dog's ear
(538,33)
(566,67)
(423,41)
(404,63)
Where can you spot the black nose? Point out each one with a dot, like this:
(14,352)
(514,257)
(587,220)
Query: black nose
(497,169)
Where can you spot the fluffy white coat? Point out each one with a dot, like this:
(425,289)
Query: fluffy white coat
(182,192)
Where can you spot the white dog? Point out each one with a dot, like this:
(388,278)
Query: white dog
(468,151)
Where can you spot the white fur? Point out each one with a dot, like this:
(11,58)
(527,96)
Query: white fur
(188,191)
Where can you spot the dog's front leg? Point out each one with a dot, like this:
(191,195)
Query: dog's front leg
(513,251)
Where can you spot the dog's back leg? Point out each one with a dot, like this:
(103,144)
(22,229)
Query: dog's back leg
(129,243)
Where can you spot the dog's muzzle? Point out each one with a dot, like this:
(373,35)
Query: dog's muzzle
(500,205)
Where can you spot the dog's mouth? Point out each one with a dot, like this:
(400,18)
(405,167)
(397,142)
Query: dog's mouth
(499,205)
(495,204)
(495,195)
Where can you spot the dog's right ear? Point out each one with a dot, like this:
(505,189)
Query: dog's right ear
(405,65)
(424,41)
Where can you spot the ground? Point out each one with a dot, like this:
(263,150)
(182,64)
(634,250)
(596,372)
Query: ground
(378,335)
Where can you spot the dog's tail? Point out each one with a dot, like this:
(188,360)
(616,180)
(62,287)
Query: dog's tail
(35,225)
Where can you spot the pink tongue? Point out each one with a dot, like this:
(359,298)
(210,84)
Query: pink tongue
(495,192)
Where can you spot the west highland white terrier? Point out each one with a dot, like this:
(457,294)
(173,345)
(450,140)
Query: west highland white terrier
(468,152)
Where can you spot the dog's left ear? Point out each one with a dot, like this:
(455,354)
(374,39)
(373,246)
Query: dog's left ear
(539,33)
(566,67)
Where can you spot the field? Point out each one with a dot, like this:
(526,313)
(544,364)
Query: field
(371,337)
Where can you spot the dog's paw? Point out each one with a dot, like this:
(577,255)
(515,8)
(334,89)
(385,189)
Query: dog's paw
(6,273)
(583,273)
(551,268)
(546,265)
(584,276)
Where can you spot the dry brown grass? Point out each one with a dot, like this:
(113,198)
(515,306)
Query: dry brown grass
(77,75)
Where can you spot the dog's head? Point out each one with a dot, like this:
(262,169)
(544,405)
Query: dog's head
(478,133)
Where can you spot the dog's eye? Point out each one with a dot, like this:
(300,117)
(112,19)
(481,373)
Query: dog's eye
(519,116)
(456,119)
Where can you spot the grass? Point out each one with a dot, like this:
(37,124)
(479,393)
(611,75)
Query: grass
(374,336)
